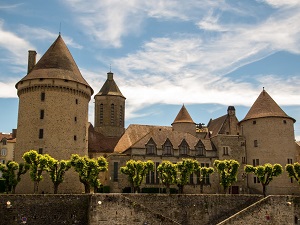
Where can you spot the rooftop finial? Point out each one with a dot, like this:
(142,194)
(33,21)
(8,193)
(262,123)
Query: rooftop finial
(263,88)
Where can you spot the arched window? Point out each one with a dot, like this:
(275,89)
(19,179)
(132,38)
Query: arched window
(112,114)
(3,152)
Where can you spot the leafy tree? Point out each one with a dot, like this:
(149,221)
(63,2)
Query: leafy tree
(293,171)
(88,170)
(184,169)
(136,171)
(37,163)
(12,172)
(203,173)
(265,173)
(167,174)
(56,170)
(228,170)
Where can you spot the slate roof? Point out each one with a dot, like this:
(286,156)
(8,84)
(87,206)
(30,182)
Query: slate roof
(265,106)
(183,116)
(110,87)
(56,63)
(137,136)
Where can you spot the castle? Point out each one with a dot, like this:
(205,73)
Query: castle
(53,119)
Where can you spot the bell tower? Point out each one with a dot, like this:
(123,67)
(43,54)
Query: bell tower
(109,109)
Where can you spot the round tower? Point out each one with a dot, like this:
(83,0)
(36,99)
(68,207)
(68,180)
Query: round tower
(109,109)
(184,122)
(269,134)
(53,111)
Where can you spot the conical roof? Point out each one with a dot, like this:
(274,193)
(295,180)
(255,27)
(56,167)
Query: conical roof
(110,87)
(265,106)
(183,116)
(56,63)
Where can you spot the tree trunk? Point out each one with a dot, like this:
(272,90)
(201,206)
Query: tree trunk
(36,187)
(264,190)
(87,188)
(13,189)
(56,188)
(168,189)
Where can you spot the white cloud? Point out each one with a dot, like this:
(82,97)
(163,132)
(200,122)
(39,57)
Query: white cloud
(8,90)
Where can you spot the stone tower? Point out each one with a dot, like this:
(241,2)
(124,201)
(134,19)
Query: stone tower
(53,111)
(184,122)
(269,134)
(109,109)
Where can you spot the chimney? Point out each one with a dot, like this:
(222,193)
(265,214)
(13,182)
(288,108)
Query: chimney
(231,111)
(31,60)
(14,133)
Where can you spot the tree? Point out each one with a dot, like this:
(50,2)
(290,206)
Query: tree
(12,172)
(136,171)
(293,171)
(88,170)
(184,169)
(203,173)
(37,163)
(167,174)
(56,170)
(264,173)
(228,170)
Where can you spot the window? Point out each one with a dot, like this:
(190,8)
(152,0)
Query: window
(75,119)
(3,152)
(152,177)
(225,150)
(76,101)
(290,161)
(2,161)
(75,137)
(4,141)
(101,114)
(151,147)
(205,179)
(284,121)
(43,96)
(255,143)
(256,180)
(200,149)
(254,121)
(167,148)
(244,160)
(255,162)
(121,116)
(40,150)
(112,114)
(116,170)
(41,133)
(42,112)
(183,148)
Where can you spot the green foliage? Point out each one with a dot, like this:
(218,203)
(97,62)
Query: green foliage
(167,174)
(12,172)
(204,172)
(38,163)
(88,170)
(228,170)
(293,171)
(184,169)
(56,170)
(265,173)
(136,171)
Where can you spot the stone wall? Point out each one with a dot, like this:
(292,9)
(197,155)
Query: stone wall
(123,209)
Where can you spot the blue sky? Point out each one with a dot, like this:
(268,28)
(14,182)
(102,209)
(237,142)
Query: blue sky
(204,54)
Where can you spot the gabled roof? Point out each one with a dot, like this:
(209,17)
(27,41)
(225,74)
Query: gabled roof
(110,87)
(183,116)
(137,136)
(214,126)
(56,63)
(265,106)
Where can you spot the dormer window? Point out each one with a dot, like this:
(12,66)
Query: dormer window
(167,148)
(4,141)
(184,148)
(151,147)
(200,149)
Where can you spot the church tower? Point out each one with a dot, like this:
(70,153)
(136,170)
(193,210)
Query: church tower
(53,111)
(269,134)
(109,109)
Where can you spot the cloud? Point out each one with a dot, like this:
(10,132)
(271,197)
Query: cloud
(8,90)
